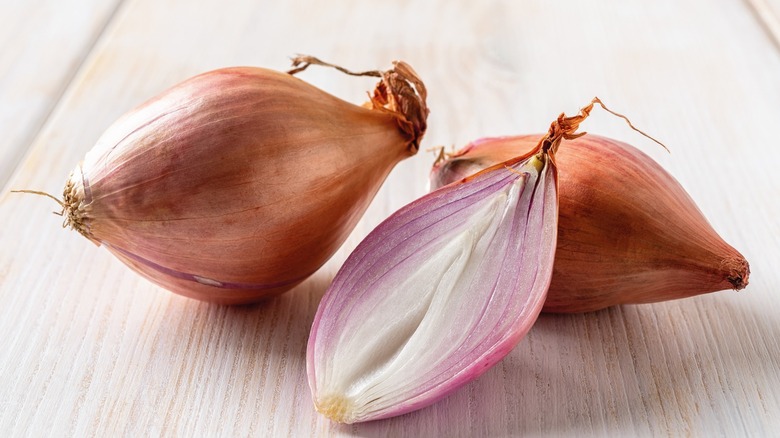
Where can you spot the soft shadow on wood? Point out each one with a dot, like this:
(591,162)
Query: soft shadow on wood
(641,370)
(279,321)
(250,358)
(649,370)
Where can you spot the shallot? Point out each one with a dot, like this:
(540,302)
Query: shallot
(240,183)
(440,291)
(628,232)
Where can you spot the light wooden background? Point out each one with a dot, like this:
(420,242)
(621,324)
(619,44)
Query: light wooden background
(89,348)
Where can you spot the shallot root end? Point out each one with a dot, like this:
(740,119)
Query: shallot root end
(40,193)
(335,408)
(70,211)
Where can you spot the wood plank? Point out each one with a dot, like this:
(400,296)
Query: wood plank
(42,44)
(89,348)
(768,14)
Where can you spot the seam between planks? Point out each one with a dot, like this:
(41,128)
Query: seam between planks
(67,82)
(767,18)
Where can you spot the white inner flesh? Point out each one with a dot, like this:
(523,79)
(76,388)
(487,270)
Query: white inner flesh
(428,316)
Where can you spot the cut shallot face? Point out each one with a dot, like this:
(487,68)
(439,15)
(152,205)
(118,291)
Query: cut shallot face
(436,294)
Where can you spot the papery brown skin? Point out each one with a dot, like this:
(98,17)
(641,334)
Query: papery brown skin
(234,185)
(628,233)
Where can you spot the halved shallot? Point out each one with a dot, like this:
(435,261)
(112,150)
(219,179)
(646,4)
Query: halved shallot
(440,291)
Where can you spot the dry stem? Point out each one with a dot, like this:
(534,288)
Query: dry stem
(565,128)
(302,62)
(400,93)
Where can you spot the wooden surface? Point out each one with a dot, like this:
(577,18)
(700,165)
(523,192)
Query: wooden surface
(89,348)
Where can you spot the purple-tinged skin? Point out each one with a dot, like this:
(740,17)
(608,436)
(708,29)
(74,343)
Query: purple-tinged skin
(235,185)
(198,279)
(518,262)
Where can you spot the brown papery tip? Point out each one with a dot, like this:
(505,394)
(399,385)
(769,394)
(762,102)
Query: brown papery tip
(565,128)
(738,271)
(401,93)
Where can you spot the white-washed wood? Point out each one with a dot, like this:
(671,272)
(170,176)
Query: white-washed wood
(768,13)
(42,44)
(89,348)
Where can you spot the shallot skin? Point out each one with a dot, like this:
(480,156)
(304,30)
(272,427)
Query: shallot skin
(437,294)
(628,233)
(234,185)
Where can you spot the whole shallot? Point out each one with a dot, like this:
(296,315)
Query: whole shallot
(628,233)
(240,183)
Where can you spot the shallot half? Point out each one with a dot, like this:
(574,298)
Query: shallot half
(440,291)
(240,183)
(628,232)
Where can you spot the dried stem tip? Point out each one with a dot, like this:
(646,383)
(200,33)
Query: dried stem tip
(400,93)
(565,128)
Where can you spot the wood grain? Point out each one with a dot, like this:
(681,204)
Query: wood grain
(42,44)
(87,348)
(768,14)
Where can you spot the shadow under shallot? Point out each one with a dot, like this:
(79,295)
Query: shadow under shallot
(662,369)
(239,360)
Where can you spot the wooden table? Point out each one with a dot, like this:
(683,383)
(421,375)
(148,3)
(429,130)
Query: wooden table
(87,347)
